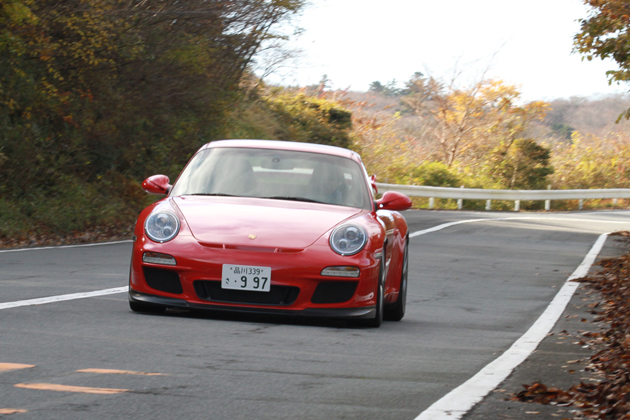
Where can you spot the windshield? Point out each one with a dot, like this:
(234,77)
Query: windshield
(275,174)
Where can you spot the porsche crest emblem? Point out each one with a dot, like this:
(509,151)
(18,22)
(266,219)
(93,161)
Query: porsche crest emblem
(252,236)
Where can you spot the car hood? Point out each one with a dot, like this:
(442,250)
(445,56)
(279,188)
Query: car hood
(229,222)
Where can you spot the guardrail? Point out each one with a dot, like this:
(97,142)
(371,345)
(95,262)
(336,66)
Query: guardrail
(517,196)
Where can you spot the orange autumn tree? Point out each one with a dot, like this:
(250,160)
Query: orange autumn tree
(448,135)
(467,123)
(605,33)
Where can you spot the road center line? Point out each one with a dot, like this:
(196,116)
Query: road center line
(120,372)
(459,401)
(61,298)
(12,410)
(66,388)
(14,366)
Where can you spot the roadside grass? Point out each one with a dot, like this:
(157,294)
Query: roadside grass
(73,212)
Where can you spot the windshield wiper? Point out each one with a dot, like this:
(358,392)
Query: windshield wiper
(289,198)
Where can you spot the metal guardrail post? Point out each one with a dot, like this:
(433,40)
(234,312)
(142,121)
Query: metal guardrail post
(548,202)
(460,202)
(431,203)
(517,205)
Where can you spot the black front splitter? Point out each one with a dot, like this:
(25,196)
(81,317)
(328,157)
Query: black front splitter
(365,312)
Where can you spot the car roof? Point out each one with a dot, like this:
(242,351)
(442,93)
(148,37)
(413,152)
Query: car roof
(285,145)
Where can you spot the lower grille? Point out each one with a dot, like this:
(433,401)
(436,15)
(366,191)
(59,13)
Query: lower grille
(162,280)
(334,291)
(278,295)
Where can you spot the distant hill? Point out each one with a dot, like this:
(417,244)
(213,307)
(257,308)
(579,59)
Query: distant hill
(588,115)
(594,115)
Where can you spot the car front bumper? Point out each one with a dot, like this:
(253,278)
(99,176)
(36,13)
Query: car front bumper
(366,312)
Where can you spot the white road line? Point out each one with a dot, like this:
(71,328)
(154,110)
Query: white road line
(539,218)
(445,225)
(60,298)
(459,401)
(71,296)
(65,246)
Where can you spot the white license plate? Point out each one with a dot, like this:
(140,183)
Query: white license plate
(246,277)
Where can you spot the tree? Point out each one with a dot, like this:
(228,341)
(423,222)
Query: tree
(590,161)
(384,149)
(468,123)
(97,94)
(376,87)
(523,166)
(310,119)
(388,89)
(91,86)
(605,33)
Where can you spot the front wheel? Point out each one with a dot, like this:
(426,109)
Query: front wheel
(396,311)
(378,318)
(380,304)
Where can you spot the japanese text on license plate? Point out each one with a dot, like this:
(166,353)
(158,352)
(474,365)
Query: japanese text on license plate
(246,277)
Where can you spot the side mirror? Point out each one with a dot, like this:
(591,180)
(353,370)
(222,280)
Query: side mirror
(157,184)
(392,200)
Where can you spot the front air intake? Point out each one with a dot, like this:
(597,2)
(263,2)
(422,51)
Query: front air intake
(163,280)
(334,291)
(278,295)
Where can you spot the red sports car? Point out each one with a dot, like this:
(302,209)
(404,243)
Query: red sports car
(272,227)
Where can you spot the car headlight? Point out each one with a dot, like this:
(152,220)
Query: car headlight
(161,226)
(348,239)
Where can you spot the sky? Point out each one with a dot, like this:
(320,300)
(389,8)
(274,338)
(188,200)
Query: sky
(527,43)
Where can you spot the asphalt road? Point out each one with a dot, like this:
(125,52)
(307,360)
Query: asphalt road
(474,289)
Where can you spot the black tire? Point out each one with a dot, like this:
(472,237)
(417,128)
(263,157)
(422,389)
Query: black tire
(380,303)
(146,308)
(380,306)
(396,311)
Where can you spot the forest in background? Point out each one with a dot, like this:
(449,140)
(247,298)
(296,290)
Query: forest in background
(432,132)
(97,95)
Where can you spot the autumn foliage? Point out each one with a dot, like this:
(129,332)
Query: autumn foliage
(443,134)
(484,135)
(96,95)
(605,33)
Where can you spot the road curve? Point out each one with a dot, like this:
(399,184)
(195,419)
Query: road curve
(475,287)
